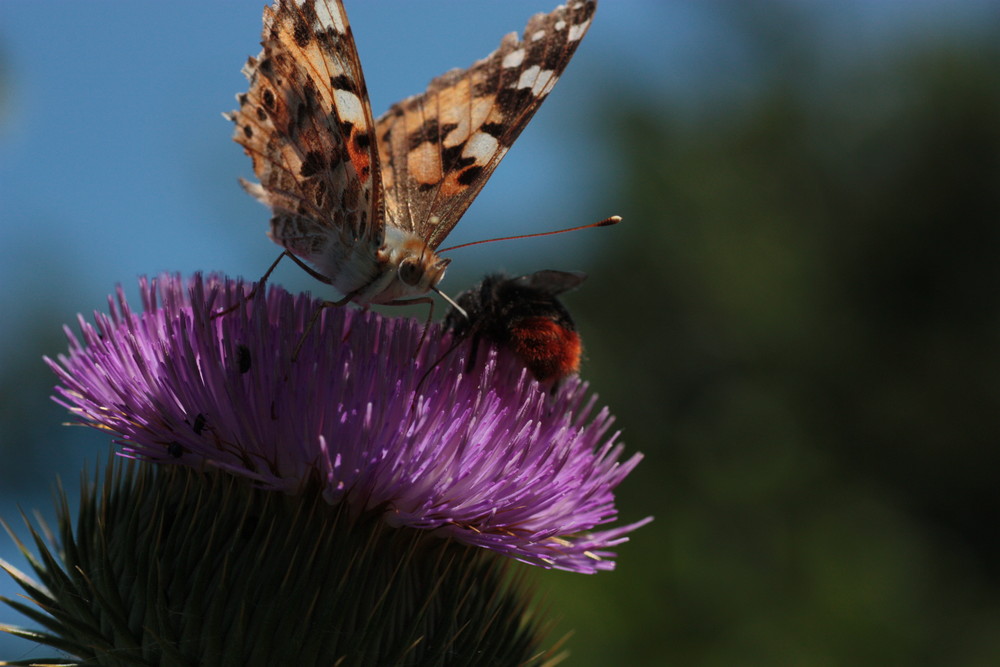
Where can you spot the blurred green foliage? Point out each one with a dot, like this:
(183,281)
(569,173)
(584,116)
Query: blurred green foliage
(799,324)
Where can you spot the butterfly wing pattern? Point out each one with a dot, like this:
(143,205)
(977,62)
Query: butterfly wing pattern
(306,124)
(368,203)
(438,149)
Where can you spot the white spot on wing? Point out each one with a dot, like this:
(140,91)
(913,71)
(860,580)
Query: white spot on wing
(481,146)
(349,107)
(576,32)
(326,17)
(560,25)
(545,80)
(538,35)
(536,78)
(513,59)
(527,77)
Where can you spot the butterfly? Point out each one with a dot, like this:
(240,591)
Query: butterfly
(364,204)
(525,316)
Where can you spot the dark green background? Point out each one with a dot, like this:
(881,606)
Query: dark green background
(800,328)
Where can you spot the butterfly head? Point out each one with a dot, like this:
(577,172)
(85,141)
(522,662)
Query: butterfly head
(412,269)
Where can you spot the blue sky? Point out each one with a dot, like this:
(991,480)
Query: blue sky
(115,162)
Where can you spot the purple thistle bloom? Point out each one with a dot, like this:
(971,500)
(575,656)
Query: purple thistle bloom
(487,458)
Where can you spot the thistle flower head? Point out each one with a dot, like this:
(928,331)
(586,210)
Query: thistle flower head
(377,420)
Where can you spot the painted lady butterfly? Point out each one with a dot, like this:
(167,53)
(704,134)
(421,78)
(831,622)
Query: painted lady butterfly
(367,203)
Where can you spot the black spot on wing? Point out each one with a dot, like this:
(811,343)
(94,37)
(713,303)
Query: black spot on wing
(268,97)
(344,82)
(512,99)
(470,175)
(329,36)
(306,13)
(302,33)
(362,140)
(452,160)
(495,130)
(312,165)
(547,56)
(431,131)
(304,16)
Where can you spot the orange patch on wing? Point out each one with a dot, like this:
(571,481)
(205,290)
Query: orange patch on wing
(450,186)
(359,158)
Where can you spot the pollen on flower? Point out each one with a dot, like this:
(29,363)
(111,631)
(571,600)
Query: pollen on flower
(382,422)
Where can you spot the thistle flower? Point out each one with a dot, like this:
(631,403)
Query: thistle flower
(380,423)
(378,444)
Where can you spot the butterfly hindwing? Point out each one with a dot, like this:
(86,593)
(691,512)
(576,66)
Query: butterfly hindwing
(438,149)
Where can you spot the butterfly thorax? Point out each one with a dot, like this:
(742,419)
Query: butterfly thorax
(402,266)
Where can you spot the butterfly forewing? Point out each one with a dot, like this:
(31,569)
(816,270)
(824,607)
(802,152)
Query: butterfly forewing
(306,123)
(438,149)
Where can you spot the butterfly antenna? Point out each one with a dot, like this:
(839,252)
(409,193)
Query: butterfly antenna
(607,222)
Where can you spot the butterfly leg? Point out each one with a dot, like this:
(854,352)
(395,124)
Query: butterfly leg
(315,317)
(430,314)
(260,285)
(308,269)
